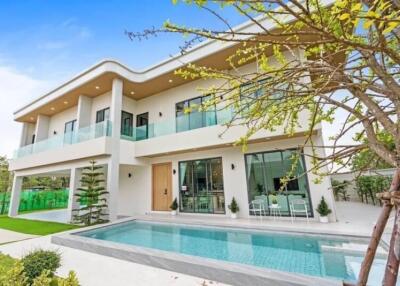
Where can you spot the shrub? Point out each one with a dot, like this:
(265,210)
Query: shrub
(174,206)
(234,207)
(38,261)
(15,276)
(340,190)
(323,208)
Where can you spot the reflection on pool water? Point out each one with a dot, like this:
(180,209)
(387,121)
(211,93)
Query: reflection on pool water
(321,256)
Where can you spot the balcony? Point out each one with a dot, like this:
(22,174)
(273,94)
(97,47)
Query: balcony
(187,122)
(98,130)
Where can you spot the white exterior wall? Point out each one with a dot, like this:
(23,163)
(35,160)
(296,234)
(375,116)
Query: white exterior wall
(136,192)
(98,103)
(58,120)
(165,101)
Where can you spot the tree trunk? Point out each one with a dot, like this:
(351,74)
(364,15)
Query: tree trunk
(376,237)
(392,264)
(373,244)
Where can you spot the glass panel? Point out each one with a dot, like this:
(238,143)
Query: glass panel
(103,115)
(68,131)
(182,122)
(264,174)
(256,184)
(201,186)
(83,134)
(186,187)
(216,185)
(142,122)
(297,188)
(274,171)
(195,116)
(126,123)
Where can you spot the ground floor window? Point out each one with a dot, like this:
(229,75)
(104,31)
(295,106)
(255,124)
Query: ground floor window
(201,186)
(265,171)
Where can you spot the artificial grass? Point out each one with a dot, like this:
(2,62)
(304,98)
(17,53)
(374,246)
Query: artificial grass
(34,227)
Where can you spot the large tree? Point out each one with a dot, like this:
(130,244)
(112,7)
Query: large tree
(318,57)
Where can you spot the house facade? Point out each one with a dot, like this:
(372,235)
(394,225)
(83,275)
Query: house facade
(135,125)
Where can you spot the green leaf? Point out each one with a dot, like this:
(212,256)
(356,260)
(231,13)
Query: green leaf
(368,24)
(344,16)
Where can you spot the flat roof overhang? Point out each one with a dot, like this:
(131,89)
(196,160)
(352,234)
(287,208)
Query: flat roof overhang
(138,84)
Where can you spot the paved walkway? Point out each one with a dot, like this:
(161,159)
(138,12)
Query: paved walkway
(97,270)
(52,215)
(7,236)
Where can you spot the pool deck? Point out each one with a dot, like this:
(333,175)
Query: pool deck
(354,219)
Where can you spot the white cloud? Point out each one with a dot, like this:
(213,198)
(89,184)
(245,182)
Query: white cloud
(16,89)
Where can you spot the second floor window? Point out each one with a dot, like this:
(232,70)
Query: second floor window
(103,115)
(189,117)
(142,124)
(126,123)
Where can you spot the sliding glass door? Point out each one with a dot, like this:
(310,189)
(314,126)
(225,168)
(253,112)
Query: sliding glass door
(201,186)
(265,174)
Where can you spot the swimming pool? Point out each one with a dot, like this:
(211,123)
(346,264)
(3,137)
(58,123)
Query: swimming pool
(328,257)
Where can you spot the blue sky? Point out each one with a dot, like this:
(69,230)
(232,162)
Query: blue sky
(43,43)
(51,40)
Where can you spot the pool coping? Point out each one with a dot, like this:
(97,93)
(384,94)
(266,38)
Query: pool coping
(217,270)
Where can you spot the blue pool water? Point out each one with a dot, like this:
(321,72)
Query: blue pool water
(310,255)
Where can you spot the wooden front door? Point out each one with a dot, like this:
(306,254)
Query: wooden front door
(162,187)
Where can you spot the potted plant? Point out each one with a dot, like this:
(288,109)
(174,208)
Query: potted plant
(234,207)
(274,201)
(323,211)
(174,206)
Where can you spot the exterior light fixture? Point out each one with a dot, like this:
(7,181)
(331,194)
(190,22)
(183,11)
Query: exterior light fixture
(97,87)
(129,175)
(65,102)
(52,108)
(174,171)
(233,166)
(170,80)
(132,92)
(160,114)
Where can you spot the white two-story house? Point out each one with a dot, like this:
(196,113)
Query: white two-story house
(134,124)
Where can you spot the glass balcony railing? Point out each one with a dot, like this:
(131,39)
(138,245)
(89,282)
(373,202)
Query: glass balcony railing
(190,121)
(97,130)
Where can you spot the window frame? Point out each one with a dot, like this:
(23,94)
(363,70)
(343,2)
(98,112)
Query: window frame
(194,204)
(264,179)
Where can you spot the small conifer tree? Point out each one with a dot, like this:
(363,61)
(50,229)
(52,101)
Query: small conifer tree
(92,197)
(234,207)
(323,208)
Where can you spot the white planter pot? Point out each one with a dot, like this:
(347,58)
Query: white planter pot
(234,215)
(323,219)
(173,212)
(274,205)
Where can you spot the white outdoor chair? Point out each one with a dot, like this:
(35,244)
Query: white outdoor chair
(298,206)
(257,206)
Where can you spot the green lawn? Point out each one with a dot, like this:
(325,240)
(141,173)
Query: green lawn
(34,227)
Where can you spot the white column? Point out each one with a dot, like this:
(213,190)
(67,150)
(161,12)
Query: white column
(116,108)
(24,134)
(113,163)
(84,111)
(42,128)
(74,183)
(15,196)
